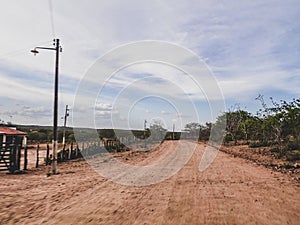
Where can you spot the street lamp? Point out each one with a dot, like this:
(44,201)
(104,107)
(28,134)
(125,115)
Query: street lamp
(57,48)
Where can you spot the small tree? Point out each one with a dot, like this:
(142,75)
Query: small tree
(193,130)
(234,121)
(157,131)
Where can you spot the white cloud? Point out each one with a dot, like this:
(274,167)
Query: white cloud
(103,106)
(165,112)
(250,46)
(104,110)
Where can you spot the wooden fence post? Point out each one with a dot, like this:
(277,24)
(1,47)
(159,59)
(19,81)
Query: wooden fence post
(37,156)
(19,149)
(47,155)
(76,151)
(70,151)
(82,149)
(63,154)
(12,158)
(25,157)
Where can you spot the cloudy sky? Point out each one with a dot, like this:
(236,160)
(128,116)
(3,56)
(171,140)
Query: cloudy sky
(251,47)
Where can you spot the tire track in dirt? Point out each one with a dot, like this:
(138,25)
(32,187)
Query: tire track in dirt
(230,191)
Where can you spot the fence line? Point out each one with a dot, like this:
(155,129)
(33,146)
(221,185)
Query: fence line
(14,158)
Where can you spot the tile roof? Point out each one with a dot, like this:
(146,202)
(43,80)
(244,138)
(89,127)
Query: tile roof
(11,131)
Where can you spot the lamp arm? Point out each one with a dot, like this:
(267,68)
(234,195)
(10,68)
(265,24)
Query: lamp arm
(45,48)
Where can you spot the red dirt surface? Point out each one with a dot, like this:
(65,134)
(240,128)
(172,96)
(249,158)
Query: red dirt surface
(231,191)
(264,156)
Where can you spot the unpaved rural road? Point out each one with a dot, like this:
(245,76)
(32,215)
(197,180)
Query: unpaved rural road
(230,191)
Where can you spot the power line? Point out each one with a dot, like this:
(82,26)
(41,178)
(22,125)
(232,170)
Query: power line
(51,17)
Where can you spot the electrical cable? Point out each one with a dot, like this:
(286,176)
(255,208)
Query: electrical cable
(51,17)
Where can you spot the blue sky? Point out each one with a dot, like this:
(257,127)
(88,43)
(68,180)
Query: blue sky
(251,47)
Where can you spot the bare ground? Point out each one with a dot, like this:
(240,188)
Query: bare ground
(231,191)
(265,157)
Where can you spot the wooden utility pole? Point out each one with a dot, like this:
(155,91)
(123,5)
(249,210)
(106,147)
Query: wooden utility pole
(57,48)
(54,162)
(65,123)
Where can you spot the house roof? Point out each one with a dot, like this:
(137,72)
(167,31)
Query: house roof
(11,131)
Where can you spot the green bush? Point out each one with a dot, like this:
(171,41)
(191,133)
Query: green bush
(259,144)
(293,145)
(293,156)
(277,150)
(228,138)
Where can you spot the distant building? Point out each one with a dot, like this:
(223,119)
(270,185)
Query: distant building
(11,135)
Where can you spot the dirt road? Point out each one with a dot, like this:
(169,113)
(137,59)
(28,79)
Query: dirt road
(230,191)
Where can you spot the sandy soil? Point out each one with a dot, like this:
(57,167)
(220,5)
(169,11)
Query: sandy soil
(231,191)
(264,156)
